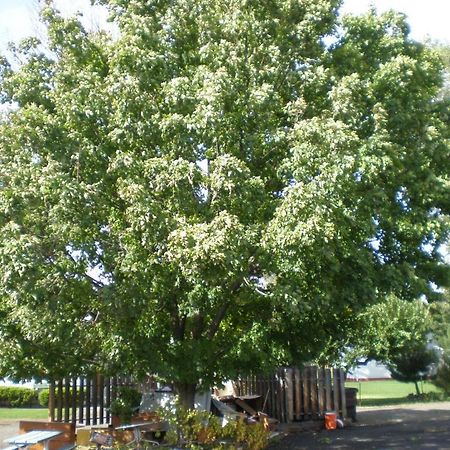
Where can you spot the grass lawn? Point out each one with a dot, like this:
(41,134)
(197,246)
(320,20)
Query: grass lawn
(23,413)
(387,392)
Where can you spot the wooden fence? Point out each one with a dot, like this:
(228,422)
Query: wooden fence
(291,394)
(84,400)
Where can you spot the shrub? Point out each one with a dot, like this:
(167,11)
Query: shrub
(45,393)
(123,406)
(43,397)
(201,429)
(442,378)
(17,396)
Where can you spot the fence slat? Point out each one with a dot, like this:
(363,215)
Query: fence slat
(94,395)
(51,401)
(328,389)
(74,398)
(88,401)
(297,394)
(306,393)
(335,390)
(314,394)
(289,387)
(59,401)
(321,390)
(342,393)
(81,399)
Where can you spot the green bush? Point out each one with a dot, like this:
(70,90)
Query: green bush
(200,429)
(123,406)
(17,396)
(43,397)
(45,393)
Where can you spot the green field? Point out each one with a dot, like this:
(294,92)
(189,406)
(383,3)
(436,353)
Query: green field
(23,413)
(388,392)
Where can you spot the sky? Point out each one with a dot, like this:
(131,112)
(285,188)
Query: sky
(430,18)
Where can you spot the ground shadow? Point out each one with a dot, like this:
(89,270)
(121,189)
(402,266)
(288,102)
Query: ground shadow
(396,428)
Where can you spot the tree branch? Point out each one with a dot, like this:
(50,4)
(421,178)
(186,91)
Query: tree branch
(222,311)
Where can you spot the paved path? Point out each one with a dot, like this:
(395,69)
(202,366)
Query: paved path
(416,426)
(8,428)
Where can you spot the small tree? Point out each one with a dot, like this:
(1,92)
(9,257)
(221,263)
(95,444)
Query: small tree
(412,363)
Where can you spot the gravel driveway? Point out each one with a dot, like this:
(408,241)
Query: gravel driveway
(417,426)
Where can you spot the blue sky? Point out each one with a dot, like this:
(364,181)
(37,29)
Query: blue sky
(18,18)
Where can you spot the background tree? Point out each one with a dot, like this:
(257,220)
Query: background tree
(441,333)
(214,190)
(413,363)
(388,332)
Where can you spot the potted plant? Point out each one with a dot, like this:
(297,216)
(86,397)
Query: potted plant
(124,405)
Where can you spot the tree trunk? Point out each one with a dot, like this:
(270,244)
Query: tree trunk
(186,394)
(417,387)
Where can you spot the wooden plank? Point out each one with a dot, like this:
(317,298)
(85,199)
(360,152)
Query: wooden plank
(81,401)
(289,387)
(306,394)
(67,401)
(88,401)
(51,401)
(335,390)
(94,395)
(314,393)
(265,388)
(272,411)
(279,392)
(282,390)
(245,406)
(101,400)
(74,401)
(59,401)
(328,390)
(297,394)
(108,399)
(342,393)
(320,390)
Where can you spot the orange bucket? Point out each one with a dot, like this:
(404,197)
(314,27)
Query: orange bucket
(330,421)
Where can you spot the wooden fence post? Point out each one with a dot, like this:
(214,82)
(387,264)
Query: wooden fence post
(320,389)
(306,393)
(81,400)
(75,395)
(298,394)
(328,389)
(88,401)
(342,392)
(51,401)
(59,401)
(289,390)
(94,396)
(314,393)
(336,390)
(67,402)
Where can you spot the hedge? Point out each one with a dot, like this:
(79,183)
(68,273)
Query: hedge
(44,395)
(17,396)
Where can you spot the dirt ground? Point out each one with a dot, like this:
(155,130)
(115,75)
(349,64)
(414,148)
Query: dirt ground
(412,426)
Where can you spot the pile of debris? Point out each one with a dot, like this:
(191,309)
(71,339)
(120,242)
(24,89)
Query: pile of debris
(246,407)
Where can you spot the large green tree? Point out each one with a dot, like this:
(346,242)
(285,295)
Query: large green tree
(214,189)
